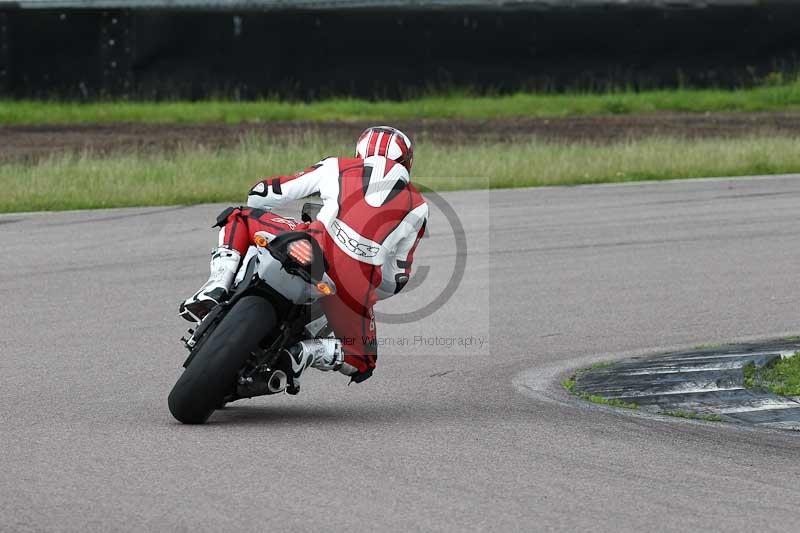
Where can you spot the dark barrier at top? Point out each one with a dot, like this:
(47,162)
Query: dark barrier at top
(90,54)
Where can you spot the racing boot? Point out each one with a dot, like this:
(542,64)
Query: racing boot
(224,264)
(322,354)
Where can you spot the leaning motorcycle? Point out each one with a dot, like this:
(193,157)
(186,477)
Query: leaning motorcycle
(234,352)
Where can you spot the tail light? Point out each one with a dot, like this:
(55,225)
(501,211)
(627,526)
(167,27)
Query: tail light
(301,252)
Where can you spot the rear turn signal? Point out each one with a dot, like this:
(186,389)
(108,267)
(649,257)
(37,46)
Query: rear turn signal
(301,252)
(324,288)
(261,241)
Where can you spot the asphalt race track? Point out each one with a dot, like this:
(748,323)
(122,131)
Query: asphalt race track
(445,436)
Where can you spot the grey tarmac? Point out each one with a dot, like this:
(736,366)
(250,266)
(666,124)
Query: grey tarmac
(448,435)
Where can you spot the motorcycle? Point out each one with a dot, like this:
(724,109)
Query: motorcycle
(234,352)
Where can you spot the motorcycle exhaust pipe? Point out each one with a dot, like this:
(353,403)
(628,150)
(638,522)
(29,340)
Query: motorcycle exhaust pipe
(277,382)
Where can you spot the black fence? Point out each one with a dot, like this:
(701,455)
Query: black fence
(89,54)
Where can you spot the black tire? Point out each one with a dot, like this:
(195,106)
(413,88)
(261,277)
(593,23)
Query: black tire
(211,376)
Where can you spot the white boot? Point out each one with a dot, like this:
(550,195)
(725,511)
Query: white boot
(322,354)
(224,264)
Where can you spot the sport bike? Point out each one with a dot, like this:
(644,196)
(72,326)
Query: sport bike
(234,352)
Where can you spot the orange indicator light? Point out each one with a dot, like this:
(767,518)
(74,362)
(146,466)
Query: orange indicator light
(324,288)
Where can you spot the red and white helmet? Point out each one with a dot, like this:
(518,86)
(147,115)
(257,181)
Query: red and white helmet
(388,142)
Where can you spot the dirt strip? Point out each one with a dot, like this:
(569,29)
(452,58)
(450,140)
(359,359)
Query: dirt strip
(34,142)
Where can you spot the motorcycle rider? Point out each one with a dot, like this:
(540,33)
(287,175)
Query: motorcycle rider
(369,226)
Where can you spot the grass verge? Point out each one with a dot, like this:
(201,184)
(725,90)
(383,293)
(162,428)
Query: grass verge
(781,376)
(198,174)
(778,97)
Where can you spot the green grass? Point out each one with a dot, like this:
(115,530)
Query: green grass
(679,413)
(569,385)
(749,371)
(778,97)
(611,402)
(196,174)
(781,376)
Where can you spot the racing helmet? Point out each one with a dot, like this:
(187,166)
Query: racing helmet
(388,142)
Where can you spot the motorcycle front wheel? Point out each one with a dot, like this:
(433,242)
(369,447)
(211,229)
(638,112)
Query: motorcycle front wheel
(212,373)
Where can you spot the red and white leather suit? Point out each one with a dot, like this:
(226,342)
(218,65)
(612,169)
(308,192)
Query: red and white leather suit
(368,228)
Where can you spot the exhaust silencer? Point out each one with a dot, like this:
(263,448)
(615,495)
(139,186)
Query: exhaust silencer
(277,382)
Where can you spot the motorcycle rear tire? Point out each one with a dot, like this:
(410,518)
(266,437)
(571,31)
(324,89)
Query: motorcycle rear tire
(212,374)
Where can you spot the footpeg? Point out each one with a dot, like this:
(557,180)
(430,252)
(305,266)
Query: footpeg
(188,339)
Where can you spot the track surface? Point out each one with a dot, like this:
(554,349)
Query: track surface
(444,438)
